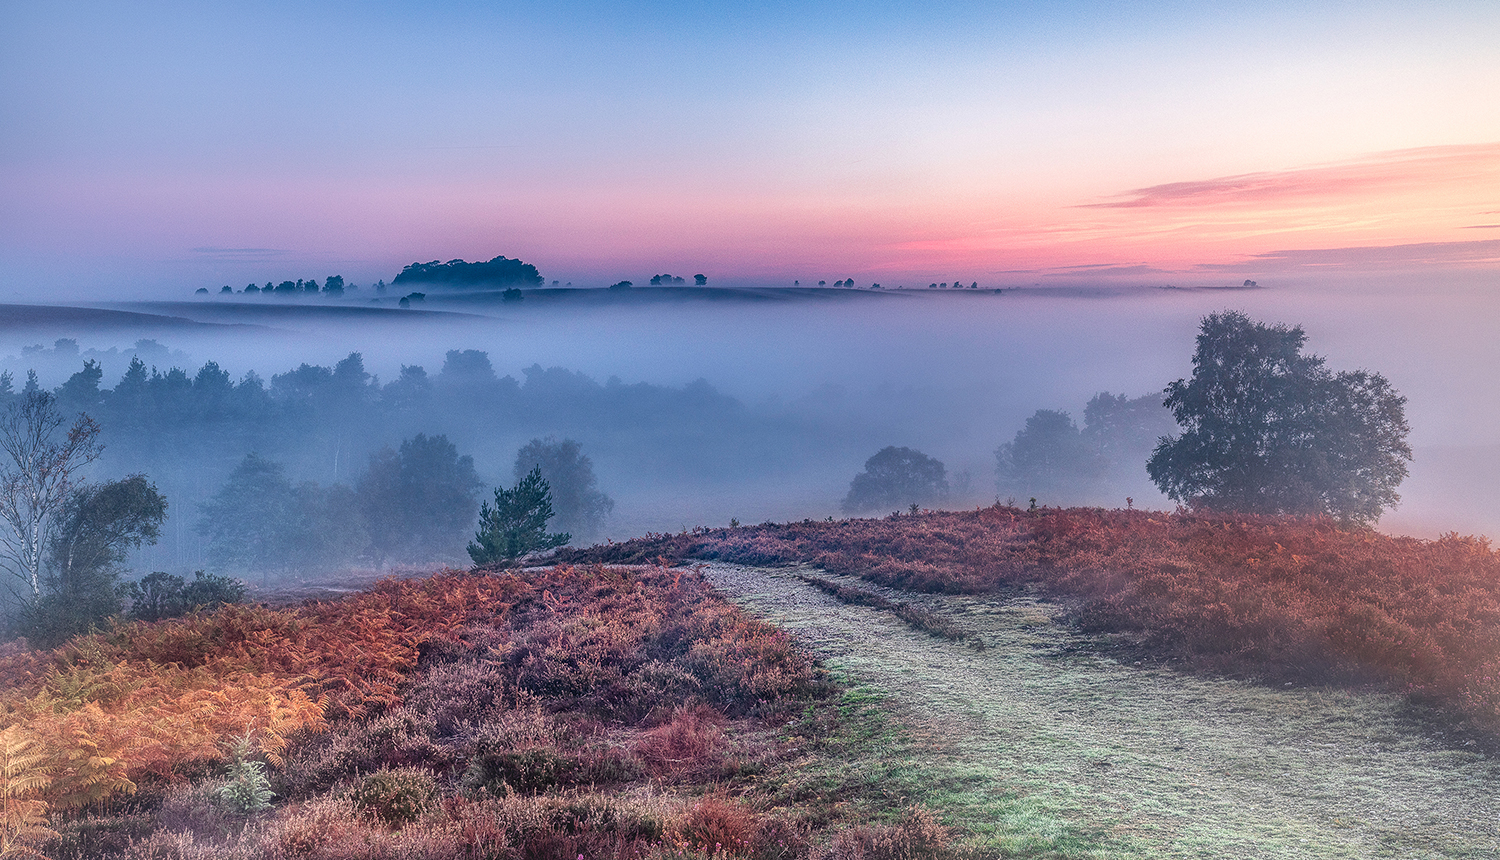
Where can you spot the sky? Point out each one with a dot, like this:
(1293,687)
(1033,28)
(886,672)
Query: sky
(150,147)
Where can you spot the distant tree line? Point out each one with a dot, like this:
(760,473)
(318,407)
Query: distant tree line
(315,429)
(501,271)
(332,287)
(674,280)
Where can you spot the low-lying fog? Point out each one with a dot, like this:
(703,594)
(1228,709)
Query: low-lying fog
(760,406)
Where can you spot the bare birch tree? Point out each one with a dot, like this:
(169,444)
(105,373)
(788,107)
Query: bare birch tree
(37,473)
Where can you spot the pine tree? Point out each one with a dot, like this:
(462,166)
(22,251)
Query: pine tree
(517,524)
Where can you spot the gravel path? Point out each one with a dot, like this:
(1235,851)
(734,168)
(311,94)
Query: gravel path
(1174,765)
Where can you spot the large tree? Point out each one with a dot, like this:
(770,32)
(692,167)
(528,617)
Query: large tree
(894,478)
(419,502)
(1267,429)
(580,506)
(247,522)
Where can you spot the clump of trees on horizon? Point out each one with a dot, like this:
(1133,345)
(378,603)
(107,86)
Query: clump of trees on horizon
(501,271)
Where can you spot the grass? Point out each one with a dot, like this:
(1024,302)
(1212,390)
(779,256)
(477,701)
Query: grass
(1042,746)
(918,618)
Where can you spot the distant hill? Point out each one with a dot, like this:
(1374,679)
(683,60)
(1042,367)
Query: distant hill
(457,273)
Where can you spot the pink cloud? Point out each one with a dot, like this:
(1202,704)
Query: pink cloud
(1405,169)
(1484,252)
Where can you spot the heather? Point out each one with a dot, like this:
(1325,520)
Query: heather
(571,711)
(1269,597)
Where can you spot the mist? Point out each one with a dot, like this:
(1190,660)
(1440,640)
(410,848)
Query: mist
(700,407)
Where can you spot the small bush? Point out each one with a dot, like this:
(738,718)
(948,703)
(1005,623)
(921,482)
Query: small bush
(918,837)
(246,788)
(715,826)
(527,771)
(396,797)
(691,743)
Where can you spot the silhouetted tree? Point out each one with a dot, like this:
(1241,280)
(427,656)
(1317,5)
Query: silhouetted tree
(517,524)
(581,508)
(333,286)
(895,478)
(700,280)
(418,503)
(1267,429)
(251,519)
(81,392)
(1048,457)
(410,392)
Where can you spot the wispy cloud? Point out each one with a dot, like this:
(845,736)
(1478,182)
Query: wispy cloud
(1481,252)
(241,253)
(1401,169)
(1110,269)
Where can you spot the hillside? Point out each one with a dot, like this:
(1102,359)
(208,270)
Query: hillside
(1276,599)
(992,683)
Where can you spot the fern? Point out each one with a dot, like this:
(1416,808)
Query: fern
(23,817)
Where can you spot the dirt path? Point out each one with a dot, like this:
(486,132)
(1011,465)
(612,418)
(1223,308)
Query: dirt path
(1169,765)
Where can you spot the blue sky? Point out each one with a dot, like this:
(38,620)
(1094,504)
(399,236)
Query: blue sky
(768,141)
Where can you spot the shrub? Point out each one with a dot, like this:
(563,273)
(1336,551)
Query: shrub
(247,789)
(917,837)
(691,743)
(529,771)
(395,797)
(717,825)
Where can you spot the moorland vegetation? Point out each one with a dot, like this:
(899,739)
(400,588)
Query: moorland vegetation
(549,713)
(1299,599)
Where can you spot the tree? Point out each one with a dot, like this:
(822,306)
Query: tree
(37,475)
(418,502)
(249,520)
(700,280)
(581,507)
(1048,456)
(501,271)
(517,524)
(95,528)
(894,478)
(1267,429)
